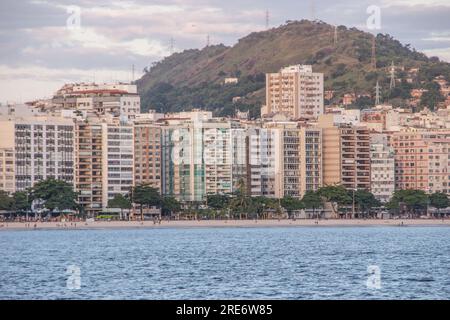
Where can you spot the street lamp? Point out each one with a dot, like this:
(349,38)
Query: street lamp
(353,208)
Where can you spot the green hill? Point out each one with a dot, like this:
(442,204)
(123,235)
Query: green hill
(194,78)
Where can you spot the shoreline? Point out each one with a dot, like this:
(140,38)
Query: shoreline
(179,224)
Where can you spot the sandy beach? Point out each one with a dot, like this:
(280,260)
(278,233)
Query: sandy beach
(220,224)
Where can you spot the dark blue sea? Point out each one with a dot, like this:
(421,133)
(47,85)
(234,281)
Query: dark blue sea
(227,263)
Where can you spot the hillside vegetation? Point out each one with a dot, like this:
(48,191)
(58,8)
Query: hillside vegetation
(194,78)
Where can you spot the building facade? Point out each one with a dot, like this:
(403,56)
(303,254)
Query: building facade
(89,166)
(295,91)
(422,160)
(147,154)
(382,167)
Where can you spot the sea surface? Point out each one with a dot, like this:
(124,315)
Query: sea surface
(227,263)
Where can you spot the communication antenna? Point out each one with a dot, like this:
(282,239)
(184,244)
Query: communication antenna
(374,54)
(132,73)
(208,40)
(267,19)
(377,94)
(392,85)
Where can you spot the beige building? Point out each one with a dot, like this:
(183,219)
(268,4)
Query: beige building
(422,160)
(104,162)
(295,91)
(7,175)
(7,178)
(147,154)
(346,153)
(89,166)
(288,160)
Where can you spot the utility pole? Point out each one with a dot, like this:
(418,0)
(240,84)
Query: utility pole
(377,94)
(392,85)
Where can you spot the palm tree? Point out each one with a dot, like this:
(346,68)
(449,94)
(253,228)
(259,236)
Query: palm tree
(242,202)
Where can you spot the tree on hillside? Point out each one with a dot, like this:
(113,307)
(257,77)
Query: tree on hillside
(57,195)
(432,97)
(120,202)
(147,196)
(439,201)
(312,200)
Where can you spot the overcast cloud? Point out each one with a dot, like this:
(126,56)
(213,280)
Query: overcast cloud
(39,53)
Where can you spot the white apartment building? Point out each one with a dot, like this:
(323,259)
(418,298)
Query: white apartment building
(295,91)
(119,100)
(43,148)
(382,167)
(117,161)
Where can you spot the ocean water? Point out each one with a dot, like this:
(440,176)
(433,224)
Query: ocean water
(227,263)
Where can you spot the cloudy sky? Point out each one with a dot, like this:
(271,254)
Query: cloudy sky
(45,43)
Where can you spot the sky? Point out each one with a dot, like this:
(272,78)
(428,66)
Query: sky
(46,43)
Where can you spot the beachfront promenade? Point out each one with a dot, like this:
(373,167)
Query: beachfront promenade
(221,224)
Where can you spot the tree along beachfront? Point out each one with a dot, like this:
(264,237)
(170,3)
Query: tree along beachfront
(58,198)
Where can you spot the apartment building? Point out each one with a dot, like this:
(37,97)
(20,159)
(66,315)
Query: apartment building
(382,167)
(311,159)
(147,154)
(104,162)
(346,153)
(295,91)
(7,167)
(422,160)
(118,160)
(42,148)
(285,160)
(239,142)
(256,155)
(119,100)
(218,158)
(89,166)
(7,177)
(355,157)
(197,157)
